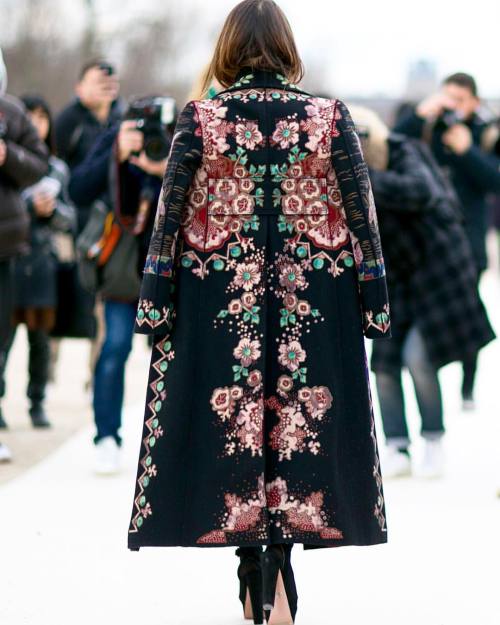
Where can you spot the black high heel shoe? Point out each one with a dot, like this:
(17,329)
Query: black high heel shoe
(250,577)
(279,592)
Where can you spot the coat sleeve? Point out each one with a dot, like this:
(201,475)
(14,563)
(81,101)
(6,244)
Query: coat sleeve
(27,157)
(155,309)
(359,206)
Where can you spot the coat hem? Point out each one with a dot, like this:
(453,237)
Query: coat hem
(306,544)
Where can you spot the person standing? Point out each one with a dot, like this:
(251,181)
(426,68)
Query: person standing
(451,123)
(265,270)
(35,290)
(118,168)
(437,314)
(23,162)
(95,108)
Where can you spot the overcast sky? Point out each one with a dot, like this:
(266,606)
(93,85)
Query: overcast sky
(365,46)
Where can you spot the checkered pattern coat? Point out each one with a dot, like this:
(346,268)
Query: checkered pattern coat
(432,277)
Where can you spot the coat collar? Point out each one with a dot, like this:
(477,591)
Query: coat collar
(248,78)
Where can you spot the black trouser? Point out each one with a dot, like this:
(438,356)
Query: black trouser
(6,298)
(38,367)
(469,366)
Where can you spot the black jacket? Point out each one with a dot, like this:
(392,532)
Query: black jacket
(430,267)
(77,130)
(27,162)
(473,174)
(100,176)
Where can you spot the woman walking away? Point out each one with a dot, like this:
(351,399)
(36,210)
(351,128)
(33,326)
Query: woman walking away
(264,270)
(35,292)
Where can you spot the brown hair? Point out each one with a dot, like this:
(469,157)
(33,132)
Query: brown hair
(256,34)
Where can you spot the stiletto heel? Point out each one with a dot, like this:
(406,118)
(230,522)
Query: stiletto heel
(278,588)
(249,574)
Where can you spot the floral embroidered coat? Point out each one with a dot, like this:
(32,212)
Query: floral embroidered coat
(264,272)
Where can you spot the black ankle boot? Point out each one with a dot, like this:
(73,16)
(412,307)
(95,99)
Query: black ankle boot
(278,584)
(250,578)
(38,416)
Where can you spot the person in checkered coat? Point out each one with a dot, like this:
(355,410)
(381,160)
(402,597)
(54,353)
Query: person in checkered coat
(437,314)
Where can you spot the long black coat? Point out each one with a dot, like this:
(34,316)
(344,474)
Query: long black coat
(432,276)
(264,269)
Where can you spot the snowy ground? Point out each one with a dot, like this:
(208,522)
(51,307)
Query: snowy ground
(64,560)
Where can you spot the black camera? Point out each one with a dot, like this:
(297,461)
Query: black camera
(155,118)
(449,118)
(107,68)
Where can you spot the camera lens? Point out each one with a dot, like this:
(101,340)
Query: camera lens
(156,148)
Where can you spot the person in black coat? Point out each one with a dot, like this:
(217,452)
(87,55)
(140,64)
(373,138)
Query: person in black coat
(23,161)
(35,286)
(437,315)
(451,123)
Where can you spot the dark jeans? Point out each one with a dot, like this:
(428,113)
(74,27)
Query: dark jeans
(109,377)
(427,391)
(38,363)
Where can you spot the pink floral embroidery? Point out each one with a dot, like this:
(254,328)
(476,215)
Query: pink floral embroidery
(291,355)
(247,276)
(248,134)
(247,351)
(286,133)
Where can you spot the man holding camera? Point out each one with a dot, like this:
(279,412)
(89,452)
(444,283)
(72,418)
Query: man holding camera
(136,152)
(459,138)
(23,161)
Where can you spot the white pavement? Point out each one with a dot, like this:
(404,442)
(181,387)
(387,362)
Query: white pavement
(64,560)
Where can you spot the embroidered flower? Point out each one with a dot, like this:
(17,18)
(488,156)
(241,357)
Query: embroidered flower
(243,204)
(318,400)
(226,189)
(235,307)
(248,135)
(286,133)
(290,301)
(303,308)
(247,276)
(247,185)
(248,300)
(292,204)
(254,378)
(221,399)
(292,277)
(285,383)
(289,185)
(247,351)
(236,392)
(291,355)
(309,188)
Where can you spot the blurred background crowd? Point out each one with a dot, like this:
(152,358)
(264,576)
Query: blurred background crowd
(88,107)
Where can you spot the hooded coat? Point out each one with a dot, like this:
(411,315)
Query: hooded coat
(264,270)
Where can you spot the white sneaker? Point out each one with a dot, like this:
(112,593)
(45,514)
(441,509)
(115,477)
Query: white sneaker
(107,458)
(468,404)
(395,464)
(5,455)
(432,464)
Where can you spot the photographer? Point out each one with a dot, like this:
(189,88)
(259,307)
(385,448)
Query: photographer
(23,161)
(125,168)
(450,122)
